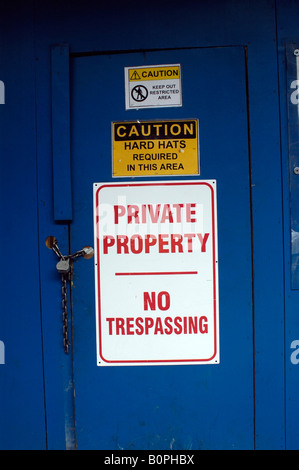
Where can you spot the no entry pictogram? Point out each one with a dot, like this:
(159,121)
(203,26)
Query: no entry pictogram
(139,93)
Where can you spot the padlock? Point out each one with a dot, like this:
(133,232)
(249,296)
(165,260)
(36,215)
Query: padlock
(63,266)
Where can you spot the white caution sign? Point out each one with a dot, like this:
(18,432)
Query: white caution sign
(156,273)
(153,86)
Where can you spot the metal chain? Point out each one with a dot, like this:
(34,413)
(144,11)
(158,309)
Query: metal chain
(65,268)
(65,327)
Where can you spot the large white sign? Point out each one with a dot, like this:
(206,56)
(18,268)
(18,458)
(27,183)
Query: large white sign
(156,273)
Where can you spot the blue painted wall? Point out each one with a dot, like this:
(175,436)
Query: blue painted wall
(35,396)
(22,414)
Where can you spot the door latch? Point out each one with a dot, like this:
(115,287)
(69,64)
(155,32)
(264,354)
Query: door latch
(65,269)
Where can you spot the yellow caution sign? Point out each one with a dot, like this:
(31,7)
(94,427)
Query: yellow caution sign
(155,148)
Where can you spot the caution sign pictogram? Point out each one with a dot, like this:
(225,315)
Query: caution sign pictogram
(155,148)
(154,86)
(135,76)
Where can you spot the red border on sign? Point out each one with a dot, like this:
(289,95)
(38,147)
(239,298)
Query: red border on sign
(164,361)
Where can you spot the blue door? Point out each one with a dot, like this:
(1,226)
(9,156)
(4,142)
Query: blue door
(174,407)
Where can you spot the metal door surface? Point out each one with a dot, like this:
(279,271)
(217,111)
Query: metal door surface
(172,407)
